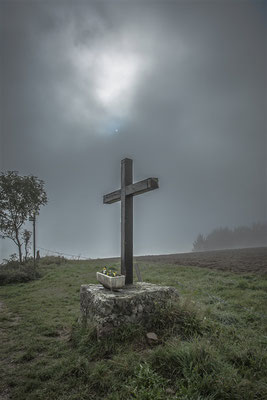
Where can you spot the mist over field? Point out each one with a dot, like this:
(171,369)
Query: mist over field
(179,87)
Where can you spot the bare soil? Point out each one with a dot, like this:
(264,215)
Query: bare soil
(251,260)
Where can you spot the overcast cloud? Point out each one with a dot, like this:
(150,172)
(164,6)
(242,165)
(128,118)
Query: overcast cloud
(178,86)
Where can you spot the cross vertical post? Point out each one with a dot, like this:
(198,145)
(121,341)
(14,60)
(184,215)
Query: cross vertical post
(125,195)
(126,221)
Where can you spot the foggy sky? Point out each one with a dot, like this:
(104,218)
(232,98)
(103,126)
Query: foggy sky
(179,87)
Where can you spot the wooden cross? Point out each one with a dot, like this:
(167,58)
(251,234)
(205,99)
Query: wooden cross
(125,195)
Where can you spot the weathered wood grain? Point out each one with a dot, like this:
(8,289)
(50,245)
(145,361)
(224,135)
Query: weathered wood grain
(134,189)
(126,222)
(141,187)
(112,197)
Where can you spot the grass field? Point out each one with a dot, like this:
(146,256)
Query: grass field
(212,344)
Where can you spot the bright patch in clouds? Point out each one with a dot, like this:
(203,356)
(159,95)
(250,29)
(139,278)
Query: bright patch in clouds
(116,76)
(109,77)
(103,86)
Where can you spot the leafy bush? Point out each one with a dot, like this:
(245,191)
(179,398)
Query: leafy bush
(14,272)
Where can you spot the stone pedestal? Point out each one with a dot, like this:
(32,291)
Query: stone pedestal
(132,304)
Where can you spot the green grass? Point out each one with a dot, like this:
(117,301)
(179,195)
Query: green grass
(212,344)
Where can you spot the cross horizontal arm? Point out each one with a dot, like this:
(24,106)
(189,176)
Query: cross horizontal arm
(143,186)
(112,197)
(134,189)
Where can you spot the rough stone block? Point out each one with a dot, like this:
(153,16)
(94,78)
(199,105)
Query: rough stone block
(131,304)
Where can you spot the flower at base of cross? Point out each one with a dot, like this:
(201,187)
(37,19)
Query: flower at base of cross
(110,271)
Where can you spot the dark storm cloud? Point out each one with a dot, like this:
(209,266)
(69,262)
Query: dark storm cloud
(195,117)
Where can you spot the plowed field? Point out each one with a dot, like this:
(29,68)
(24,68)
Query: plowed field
(238,260)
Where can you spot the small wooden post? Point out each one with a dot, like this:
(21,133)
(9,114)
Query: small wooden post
(138,273)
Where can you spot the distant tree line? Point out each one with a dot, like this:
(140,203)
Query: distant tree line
(225,238)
